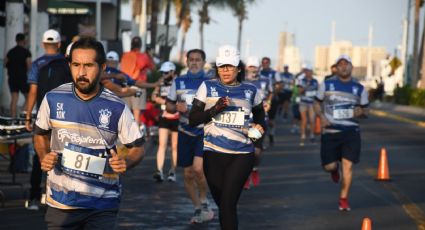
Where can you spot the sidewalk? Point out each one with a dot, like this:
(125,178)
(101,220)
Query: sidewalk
(404,113)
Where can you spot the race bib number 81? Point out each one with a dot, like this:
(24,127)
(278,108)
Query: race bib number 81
(230,118)
(78,160)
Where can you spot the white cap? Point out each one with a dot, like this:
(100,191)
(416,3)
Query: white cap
(112,56)
(343,57)
(167,66)
(307,67)
(227,55)
(68,49)
(253,61)
(51,36)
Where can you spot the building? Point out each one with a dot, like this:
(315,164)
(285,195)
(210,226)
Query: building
(325,56)
(288,54)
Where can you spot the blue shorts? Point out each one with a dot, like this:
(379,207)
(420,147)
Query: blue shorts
(345,144)
(187,148)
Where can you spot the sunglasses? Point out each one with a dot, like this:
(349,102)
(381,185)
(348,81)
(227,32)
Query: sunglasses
(162,72)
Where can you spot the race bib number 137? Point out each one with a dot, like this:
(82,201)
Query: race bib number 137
(230,118)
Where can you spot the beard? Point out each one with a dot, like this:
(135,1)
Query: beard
(91,87)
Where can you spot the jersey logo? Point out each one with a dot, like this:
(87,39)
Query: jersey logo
(214,92)
(60,113)
(104,118)
(182,86)
(332,87)
(248,94)
(355,90)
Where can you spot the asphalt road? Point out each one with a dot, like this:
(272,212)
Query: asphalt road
(295,193)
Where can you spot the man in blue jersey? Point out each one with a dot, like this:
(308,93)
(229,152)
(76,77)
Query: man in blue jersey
(340,101)
(76,132)
(274,77)
(47,72)
(190,139)
(286,93)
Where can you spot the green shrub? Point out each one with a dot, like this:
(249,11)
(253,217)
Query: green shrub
(417,97)
(402,95)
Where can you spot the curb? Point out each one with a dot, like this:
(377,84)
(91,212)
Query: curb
(381,113)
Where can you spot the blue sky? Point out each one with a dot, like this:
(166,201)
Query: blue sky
(310,20)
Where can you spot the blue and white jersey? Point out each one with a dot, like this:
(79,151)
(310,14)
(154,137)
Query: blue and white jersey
(310,90)
(272,75)
(40,63)
(287,80)
(184,89)
(339,99)
(263,85)
(227,132)
(81,133)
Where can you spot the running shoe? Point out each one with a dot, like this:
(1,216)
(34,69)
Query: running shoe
(171,176)
(255,177)
(343,204)
(247,184)
(302,142)
(158,176)
(335,175)
(197,217)
(207,213)
(32,205)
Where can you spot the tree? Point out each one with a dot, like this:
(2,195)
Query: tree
(239,8)
(204,17)
(184,21)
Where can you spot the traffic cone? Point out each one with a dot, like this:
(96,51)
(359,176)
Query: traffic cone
(367,224)
(383,172)
(317,126)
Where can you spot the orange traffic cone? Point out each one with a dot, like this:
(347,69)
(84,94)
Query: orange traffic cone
(383,172)
(317,127)
(367,224)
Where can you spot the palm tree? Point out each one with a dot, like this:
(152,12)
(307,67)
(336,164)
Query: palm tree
(239,8)
(184,21)
(415,44)
(204,17)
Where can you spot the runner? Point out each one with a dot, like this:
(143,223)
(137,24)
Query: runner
(190,138)
(76,131)
(18,62)
(224,105)
(168,124)
(265,88)
(47,72)
(274,77)
(344,100)
(286,93)
(307,88)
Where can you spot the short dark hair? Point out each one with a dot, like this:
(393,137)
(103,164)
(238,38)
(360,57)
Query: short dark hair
(265,58)
(19,37)
(136,43)
(90,43)
(201,52)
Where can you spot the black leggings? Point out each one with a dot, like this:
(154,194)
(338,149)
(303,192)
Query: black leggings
(226,175)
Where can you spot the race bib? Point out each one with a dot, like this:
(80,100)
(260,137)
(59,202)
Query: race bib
(343,111)
(311,93)
(83,161)
(230,118)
